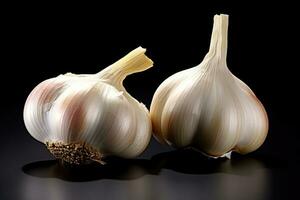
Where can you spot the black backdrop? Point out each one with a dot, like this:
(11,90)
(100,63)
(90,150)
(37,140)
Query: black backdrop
(43,41)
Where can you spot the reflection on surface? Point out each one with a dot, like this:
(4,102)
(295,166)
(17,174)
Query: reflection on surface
(189,161)
(116,168)
(55,189)
(255,186)
(180,174)
(37,189)
(242,177)
(45,187)
(185,161)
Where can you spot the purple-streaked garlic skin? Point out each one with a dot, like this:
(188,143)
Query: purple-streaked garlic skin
(207,107)
(88,109)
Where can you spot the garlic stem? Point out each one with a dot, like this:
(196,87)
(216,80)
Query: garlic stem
(135,61)
(218,44)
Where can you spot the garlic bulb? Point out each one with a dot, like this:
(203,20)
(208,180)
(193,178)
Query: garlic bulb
(207,107)
(85,117)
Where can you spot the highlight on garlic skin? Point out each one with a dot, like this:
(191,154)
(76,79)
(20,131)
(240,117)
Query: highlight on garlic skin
(206,107)
(85,117)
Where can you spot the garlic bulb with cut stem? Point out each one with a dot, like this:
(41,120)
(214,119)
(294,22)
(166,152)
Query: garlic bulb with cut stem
(82,118)
(207,107)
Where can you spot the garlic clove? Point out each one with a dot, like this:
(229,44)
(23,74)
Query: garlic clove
(160,98)
(38,104)
(207,107)
(86,117)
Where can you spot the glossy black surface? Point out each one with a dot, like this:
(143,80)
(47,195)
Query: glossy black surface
(43,41)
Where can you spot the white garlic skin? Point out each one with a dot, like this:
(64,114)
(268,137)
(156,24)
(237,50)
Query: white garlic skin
(93,109)
(207,107)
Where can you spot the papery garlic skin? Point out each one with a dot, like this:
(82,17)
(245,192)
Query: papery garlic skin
(92,111)
(207,107)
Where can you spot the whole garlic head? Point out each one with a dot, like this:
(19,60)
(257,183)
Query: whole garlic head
(82,118)
(207,107)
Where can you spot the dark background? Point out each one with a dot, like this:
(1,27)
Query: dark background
(43,41)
